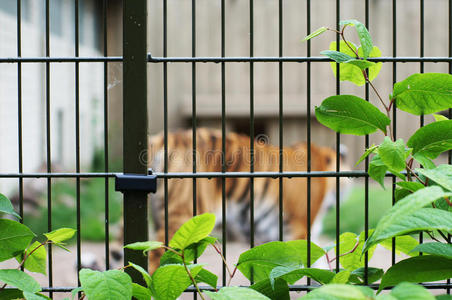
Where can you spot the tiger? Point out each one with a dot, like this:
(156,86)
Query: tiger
(237,158)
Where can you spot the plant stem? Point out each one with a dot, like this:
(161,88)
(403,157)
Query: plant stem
(415,175)
(343,254)
(224,261)
(328,260)
(432,237)
(172,250)
(230,278)
(444,236)
(191,277)
(31,252)
(3,287)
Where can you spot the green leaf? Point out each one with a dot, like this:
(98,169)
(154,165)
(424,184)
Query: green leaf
(435,248)
(363,34)
(341,277)
(292,274)
(443,297)
(424,93)
(315,33)
(340,57)
(393,154)
(11,294)
(7,207)
(279,290)
(75,291)
(34,296)
(169,281)
(442,175)
(20,280)
(401,193)
(37,261)
(377,170)
(140,292)
(426,162)
(112,284)
(410,291)
(144,273)
(366,154)
(337,56)
(403,244)
(424,268)
(432,139)
(60,235)
(349,114)
(14,238)
(401,215)
(352,260)
(302,247)
(193,231)
(351,72)
(144,246)
(422,219)
(190,253)
(264,258)
(207,277)
(440,117)
(410,185)
(373,274)
(235,292)
(337,292)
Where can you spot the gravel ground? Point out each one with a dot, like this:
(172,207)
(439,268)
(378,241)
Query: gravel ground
(64,264)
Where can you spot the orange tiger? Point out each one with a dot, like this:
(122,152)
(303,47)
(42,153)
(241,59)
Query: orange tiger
(237,159)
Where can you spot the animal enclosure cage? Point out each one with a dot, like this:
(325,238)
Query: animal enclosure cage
(137,62)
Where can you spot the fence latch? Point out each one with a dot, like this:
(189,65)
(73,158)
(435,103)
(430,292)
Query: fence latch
(136,182)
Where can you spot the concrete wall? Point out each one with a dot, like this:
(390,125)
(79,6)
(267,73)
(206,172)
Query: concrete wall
(208,76)
(62,92)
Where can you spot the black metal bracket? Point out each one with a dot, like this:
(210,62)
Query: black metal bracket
(136,182)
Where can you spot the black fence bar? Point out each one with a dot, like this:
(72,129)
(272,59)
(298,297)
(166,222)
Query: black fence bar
(77,137)
(338,140)
(165,114)
(244,59)
(223,140)
(366,165)
(308,135)
(280,119)
(431,286)
(251,20)
(300,59)
(394,108)
(106,156)
(60,59)
(48,142)
(19,110)
(135,127)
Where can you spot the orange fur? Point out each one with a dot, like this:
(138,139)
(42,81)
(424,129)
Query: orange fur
(237,190)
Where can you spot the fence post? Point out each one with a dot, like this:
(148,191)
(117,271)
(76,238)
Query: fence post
(135,127)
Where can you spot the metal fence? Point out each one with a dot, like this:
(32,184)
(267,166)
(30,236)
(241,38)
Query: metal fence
(135,61)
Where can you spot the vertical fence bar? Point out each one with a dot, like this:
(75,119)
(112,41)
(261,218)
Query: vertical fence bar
(48,144)
(366,167)
(338,141)
(449,159)
(19,110)
(135,126)
(251,123)
(421,54)
(193,117)
(165,115)
(193,87)
(308,134)
(281,129)
(223,141)
(394,114)
(77,136)
(106,156)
